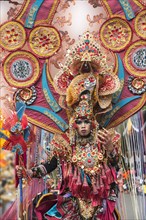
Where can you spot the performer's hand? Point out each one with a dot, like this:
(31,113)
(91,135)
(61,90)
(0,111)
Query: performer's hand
(104,138)
(19,172)
(22,172)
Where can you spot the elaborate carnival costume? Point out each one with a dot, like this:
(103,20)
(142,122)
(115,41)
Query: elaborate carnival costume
(87,185)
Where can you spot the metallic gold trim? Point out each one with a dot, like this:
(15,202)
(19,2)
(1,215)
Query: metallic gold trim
(23,11)
(138,3)
(136,26)
(107,7)
(51,14)
(44,126)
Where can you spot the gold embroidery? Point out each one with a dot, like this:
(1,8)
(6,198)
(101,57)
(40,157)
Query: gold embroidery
(86,208)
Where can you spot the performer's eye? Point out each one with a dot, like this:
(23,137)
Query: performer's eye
(78,122)
(87,121)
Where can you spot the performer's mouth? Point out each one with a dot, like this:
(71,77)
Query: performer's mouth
(83,131)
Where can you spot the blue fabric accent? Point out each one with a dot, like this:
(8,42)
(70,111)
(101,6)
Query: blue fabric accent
(52,115)
(129,13)
(67,195)
(121,74)
(3,136)
(20,109)
(26,134)
(87,177)
(47,93)
(117,106)
(17,149)
(21,191)
(30,20)
(54,212)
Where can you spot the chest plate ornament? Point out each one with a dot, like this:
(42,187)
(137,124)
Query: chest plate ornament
(88,157)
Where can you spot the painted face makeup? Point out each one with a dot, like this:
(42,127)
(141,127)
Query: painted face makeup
(83,127)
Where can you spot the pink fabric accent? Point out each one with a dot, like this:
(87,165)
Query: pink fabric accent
(96,201)
(11,213)
(47,202)
(108,215)
(29,193)
(113,173)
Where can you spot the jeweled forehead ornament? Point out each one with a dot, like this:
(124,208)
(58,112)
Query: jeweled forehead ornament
(84,109)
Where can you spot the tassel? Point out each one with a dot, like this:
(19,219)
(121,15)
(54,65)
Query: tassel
(101,186)
(86,188)
(98,184)
(70,175)
(104,178)
(65,170)
(94,185)
(108,173)
(74,179)
(78,184)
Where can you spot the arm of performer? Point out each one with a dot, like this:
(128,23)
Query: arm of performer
(110,140)
(40,170)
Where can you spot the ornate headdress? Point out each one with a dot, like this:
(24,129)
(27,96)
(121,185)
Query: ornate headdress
(86,68)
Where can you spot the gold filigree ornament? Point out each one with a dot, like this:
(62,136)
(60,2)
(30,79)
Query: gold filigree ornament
(44,41)
(115,34)
(140,24)
(12,36)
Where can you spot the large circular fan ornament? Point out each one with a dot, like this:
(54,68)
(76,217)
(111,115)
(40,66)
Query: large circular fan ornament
(44,41)
(135,59)
(115,34)
(12,36)
(140,24)
(21,69)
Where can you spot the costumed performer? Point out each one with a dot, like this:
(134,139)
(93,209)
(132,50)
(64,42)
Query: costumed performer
(87,156)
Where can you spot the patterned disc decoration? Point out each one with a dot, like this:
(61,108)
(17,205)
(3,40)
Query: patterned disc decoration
(135,59)
(115,34)
(12,35)
(44,41)
(140,24)
(27,95)
(137,85)
(21,69)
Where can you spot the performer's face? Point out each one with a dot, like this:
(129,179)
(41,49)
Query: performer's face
(83,127)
